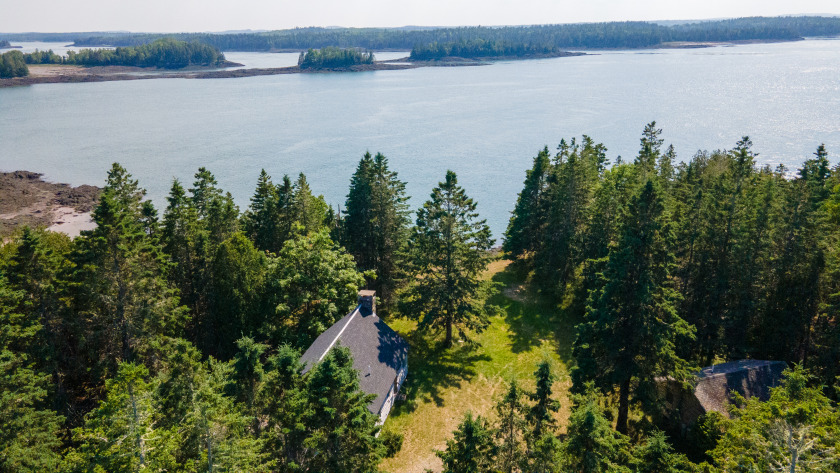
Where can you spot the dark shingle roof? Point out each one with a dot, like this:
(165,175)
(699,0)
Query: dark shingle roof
(749,378)
(378,352)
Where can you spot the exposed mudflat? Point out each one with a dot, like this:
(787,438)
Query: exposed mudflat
(28,200)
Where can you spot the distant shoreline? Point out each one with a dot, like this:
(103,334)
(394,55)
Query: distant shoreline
(59,74)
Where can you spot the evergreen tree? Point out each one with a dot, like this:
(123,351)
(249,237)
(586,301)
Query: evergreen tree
(29,431)
(655,455)
(261,220)
(119,287)
(376,221)
(120,434)
(307,210)
(472,450)
(510,432)
(631,327)
(591,445)
(343,431)
(524,232)
(448,254)
(541,414)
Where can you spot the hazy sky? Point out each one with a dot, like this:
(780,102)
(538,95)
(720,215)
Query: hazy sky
(218,15)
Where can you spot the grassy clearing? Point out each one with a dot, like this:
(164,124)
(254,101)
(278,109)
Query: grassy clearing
(444,384)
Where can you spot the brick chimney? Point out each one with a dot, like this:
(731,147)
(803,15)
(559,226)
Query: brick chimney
(367,299)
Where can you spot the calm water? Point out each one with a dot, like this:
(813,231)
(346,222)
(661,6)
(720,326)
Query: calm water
(486,123)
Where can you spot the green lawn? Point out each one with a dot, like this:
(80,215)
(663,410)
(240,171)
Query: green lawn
(444,384)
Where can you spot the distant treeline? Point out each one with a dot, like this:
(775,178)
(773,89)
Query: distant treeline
(588,35)
(5,44)
(479,48)
(166,53)
(331,57)
(12,64)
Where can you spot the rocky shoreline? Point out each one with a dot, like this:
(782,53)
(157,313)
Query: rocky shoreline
(27,200)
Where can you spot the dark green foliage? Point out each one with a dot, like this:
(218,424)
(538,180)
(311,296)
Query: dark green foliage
(448,254)
(655,455)
(331,58)
(797,429)
(13,64)
(479,48)
(342,429)
(541,414)
(29,430)
(375,226)
(472,450)
(592,446)
(313,283)
(165,53)
(119,286)
(621,35)
(524,232)
(510,431)
(632,327)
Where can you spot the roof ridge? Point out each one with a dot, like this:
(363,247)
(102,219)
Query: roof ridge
(355,311)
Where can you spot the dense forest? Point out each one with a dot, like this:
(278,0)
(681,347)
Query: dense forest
(13,64)
(478,48)
(171,341)
(563,36)
(165,53)
(331,58)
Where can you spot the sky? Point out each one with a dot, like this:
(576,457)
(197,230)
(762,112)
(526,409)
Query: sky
(223,15)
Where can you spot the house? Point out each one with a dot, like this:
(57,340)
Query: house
(716,384)
(380,354)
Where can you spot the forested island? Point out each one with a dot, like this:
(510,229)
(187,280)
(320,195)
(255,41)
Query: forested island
(334,58)
(166,53)
(612,35)
(171,340)
(480,49)
(4,44)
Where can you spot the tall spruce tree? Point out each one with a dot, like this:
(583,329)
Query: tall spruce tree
(524,232)
(541,414)
(449,251)
(119,287)
(29,430)
(375,228)
(510,430)
(631,327)
(591,445)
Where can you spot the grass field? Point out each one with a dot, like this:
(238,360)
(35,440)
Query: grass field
(444,384)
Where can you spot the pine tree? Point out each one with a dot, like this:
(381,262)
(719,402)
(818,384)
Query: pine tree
(631,327)
(308,211)
(541,414)
(591,445)
(525,228)
(120,434)
(448,254)
(29,431)
(343,431)
(472,450)
(510,431)
(261,220)
(375,226)
(119,286)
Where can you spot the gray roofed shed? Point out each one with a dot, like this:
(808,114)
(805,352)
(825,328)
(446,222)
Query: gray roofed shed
(380,354)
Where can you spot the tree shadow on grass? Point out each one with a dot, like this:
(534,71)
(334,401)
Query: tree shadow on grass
(433,370)
(533,319)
